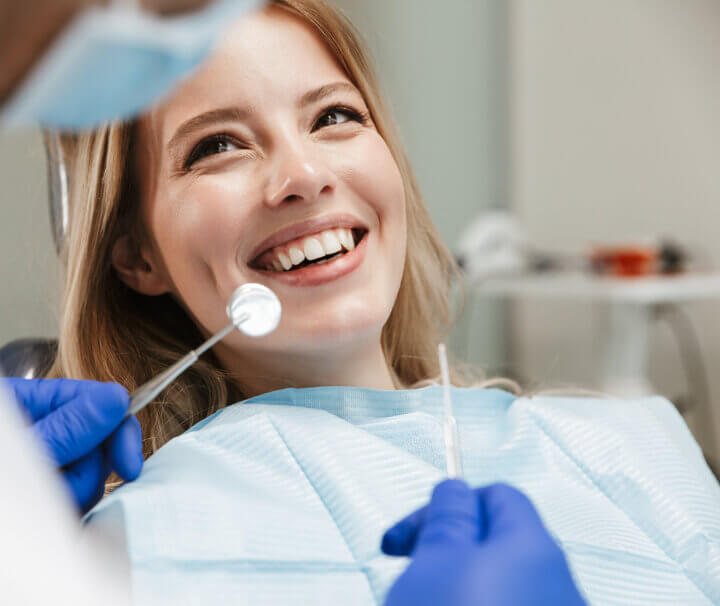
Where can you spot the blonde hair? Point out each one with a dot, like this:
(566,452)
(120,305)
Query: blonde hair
(108,332)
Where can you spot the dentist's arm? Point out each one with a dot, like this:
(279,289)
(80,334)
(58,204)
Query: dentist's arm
(83,428)
(484,547)
(45,560)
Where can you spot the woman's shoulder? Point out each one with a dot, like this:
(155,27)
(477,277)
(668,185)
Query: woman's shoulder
(642,438)
(633,417)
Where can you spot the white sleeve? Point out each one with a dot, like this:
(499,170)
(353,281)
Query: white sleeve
(43,558)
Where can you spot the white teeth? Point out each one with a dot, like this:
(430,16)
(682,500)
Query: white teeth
(313,249)
(346,239)
(284,261)
(296,255)
(330,242)
(327,243)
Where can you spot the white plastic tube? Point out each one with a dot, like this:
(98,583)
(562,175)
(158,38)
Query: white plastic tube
(452,442)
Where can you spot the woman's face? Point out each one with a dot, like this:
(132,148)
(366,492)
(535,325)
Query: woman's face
(265,167)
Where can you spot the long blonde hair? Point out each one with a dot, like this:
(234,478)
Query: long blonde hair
(109,332)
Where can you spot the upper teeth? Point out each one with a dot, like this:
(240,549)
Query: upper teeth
(329,242)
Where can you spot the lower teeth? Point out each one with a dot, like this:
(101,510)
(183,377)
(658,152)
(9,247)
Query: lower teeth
(318,262)
(321,261)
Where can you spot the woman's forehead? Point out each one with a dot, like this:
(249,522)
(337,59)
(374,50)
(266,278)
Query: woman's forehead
(269,58)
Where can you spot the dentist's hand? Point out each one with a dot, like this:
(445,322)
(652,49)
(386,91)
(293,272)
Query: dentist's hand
(478,547)
(81,424)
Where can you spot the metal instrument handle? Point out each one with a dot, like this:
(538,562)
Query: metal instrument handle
(147,392)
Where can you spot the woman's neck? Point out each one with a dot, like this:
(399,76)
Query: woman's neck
(359,367)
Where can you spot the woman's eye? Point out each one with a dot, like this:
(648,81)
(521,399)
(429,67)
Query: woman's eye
(337,115)
(210,147)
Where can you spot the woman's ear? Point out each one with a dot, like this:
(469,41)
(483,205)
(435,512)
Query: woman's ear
(135,268)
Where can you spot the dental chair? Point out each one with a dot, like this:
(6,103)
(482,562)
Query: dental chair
(31,358)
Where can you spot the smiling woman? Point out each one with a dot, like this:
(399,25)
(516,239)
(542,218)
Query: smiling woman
(278,166)
(291,154)
(277,163)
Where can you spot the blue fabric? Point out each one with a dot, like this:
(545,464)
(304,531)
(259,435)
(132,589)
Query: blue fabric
(283,499)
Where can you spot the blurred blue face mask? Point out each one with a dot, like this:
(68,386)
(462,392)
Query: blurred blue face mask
(113,62)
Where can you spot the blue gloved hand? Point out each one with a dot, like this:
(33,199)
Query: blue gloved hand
(81,424)
(478,547)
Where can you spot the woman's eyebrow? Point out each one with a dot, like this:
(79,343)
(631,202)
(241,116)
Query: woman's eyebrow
(223,114)
(234,114)
(324,91)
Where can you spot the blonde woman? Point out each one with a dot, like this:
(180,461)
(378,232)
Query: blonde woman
(277,163)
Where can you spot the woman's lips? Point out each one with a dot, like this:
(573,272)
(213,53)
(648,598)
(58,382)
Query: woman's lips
(314,275)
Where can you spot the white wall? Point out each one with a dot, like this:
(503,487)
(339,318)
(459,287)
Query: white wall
(616,135)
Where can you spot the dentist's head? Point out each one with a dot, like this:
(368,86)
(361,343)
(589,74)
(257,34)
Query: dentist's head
(77,63)
(275,163)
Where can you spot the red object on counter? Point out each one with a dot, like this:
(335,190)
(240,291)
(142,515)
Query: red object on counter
(626,261)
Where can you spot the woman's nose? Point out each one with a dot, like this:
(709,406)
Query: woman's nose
(298,176)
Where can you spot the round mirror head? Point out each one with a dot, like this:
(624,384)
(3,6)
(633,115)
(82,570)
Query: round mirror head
(259,304)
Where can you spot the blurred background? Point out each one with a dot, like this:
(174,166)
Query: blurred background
(569,150)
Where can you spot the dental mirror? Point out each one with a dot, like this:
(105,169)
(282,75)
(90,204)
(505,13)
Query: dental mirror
(261,307)
(253,309)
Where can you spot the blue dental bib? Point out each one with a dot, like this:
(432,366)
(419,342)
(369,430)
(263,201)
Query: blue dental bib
(283,498)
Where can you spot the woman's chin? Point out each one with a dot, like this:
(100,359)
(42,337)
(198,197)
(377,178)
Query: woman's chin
(327,334)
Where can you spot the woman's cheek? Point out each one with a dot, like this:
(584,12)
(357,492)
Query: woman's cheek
(371,171)
(206,216)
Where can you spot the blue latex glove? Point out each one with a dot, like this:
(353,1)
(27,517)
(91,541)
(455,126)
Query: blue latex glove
(81,424)
(478,547)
